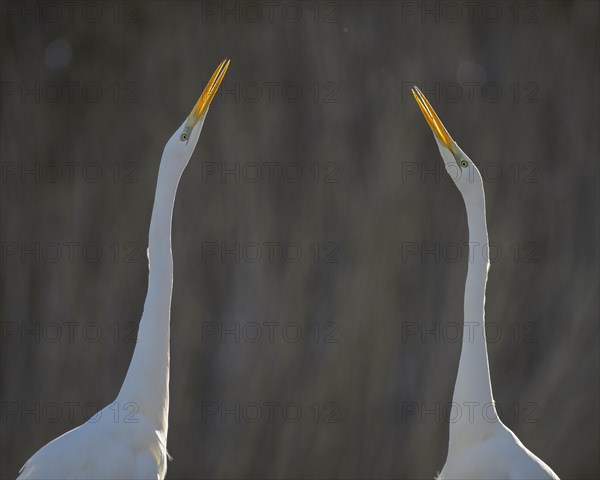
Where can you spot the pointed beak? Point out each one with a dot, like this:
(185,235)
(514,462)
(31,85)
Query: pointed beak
(209,92)
(434,122)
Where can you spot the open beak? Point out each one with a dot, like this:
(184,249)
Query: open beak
(209,92)
(433,120)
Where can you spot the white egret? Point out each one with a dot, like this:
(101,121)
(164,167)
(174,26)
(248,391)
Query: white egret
(480,445)
(128,438)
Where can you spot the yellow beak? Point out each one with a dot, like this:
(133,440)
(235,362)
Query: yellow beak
(433,120)
(210,91)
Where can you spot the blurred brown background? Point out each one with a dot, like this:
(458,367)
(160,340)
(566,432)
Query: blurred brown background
(358,225)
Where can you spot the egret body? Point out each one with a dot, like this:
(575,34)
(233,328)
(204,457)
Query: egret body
(128,438)
(480,445)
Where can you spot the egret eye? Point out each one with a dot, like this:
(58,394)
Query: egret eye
(464,164)
(184,137)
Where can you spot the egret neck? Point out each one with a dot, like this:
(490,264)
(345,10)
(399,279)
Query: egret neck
(473,389)
(147,381)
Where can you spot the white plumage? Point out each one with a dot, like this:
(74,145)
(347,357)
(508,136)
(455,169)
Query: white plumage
(128,438)
(480,446)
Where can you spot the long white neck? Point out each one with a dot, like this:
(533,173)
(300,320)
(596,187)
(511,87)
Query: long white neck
(147,380)
(473,389)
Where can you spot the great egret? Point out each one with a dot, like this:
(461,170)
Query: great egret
(128,438)
(480,445)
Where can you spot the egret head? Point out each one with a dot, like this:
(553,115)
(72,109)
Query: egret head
(183,142)
(459,166)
